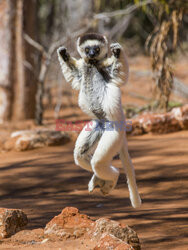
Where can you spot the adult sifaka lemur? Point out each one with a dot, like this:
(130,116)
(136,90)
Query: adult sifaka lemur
(98,78)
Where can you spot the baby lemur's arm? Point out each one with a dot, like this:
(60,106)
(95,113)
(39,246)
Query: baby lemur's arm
(70,67)
(117,65)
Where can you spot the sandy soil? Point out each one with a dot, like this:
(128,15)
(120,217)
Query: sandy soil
(42,182)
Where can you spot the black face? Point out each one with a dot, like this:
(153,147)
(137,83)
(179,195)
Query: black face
(92,51)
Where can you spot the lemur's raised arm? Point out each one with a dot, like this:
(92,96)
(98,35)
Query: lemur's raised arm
(117,65)
(70,67)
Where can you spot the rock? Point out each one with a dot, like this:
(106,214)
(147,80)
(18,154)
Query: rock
(137,128)
(9,144)
(109,241)
(70,223)
(159,123)
(30,139)
(26,142)
(172,121)
(181,115)
(28,236)
(184,110)
(11,221)
(55,138)
(124,233)
(104,233)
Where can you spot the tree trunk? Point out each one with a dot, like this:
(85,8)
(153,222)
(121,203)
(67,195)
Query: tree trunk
(17,60)
(7,19)
(25,82)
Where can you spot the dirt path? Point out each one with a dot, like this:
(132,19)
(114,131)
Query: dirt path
(43,182)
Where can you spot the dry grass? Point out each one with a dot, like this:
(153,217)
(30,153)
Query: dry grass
(160,43)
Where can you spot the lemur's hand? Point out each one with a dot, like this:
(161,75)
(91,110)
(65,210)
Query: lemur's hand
(116,49)
(62,51)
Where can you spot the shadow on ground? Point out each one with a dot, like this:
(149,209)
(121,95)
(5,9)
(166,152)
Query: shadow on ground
(43,182)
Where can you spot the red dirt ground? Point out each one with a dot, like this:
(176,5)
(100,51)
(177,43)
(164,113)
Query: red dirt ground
(44,181)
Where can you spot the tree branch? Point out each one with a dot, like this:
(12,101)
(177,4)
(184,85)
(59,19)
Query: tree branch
(126,11)
(63,40)
(33,43)
(120,27)
(46,56)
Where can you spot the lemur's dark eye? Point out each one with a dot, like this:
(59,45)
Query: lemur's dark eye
(87,50)
(97,49)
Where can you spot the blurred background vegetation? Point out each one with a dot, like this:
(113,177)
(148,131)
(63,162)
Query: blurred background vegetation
(156,28)
(54,17)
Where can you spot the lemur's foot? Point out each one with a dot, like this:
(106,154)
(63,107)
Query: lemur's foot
(62,51)
(116,49)
(105,186)
(94,182)
(109,185)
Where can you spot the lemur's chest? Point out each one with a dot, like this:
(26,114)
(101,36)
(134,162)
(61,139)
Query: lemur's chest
(95,76)
(93,90)
(93,83)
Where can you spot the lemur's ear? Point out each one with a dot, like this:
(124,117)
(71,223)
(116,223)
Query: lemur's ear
(78,46)
(78,42)
(106,40)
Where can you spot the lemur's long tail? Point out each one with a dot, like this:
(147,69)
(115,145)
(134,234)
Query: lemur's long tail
(130,173)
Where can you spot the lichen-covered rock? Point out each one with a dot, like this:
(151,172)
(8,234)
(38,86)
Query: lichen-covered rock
(124,233)
(30,139)
(109,241)
(11,221)
(70,223)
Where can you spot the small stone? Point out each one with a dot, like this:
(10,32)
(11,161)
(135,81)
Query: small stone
(99,205)
(11,221)
(44,241)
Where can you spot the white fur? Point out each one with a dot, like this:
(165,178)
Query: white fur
(129,171)
(69,75)
(102,147)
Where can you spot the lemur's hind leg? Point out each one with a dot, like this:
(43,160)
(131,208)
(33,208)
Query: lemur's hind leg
(109,144)
(85,145)
(84,148)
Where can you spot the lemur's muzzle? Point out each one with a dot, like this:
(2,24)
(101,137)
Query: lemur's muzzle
(91,53)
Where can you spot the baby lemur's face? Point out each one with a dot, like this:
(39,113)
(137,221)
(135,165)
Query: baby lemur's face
(92,47)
